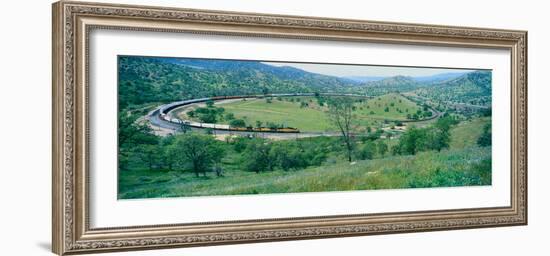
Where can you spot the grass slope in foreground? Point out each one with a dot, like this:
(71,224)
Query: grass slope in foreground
(467,167)
(464,164)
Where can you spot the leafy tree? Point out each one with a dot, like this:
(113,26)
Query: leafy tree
(437,139)
(341,115)
(240,144)
(131,135)
(169,152)
(382,148)
(207,115)
(411,141)
(201,151)
(131,132)
(257,156)
(485,139)
(148,153)
(439,136)
(184,127)
(288,156)
(444,123)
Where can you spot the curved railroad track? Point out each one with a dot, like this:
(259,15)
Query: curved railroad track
(161,118)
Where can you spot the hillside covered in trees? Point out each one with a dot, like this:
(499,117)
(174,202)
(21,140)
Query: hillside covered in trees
(472,88)
(143,79)
(150,79)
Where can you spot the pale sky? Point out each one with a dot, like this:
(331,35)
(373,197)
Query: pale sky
(364,70)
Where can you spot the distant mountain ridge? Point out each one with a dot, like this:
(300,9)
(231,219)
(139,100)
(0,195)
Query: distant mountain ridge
(481,79)
(281,72)
(364,79)
(393,81)
(158,79)
(439,77)
(422,79)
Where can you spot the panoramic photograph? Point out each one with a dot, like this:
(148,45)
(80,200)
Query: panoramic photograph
(210,127)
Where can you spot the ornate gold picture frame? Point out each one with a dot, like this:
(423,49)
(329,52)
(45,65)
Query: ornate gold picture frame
(72,24)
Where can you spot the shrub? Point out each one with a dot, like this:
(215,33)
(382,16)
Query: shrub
(367,151)
(237,123)
(229,116)
(485,139)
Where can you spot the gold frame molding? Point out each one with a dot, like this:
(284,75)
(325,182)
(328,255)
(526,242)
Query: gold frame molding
(72,22)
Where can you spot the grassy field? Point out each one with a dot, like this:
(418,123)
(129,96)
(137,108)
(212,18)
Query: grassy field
(283,112)
(312,118)
(467,132)
(463,164)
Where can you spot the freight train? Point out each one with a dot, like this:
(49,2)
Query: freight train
(168,107)
(165,110)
